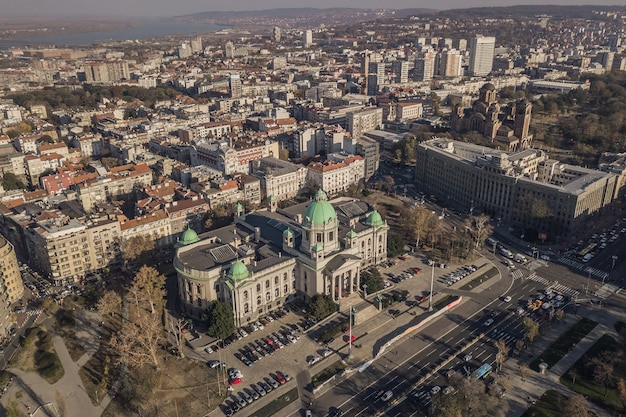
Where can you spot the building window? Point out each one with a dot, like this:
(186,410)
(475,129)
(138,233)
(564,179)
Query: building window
(246,308)
(331,236)
(319,237)
(285,276)
(245,295)
(267,283)
(286,288)
(259,300)
(276,280)
(268,296)
(258,287)
(199,302)
(199,289)
(277,293)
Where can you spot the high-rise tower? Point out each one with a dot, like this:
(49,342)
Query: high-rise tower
(481,55)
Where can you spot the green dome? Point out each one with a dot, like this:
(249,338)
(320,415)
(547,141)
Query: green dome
(238,271)
(351,234)
(239,207)
(189,237)
(317,248)
(374,219)
(320,211)
(272,197)
(288,232)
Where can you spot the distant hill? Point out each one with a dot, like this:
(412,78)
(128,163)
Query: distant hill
(582,12)
(297,17)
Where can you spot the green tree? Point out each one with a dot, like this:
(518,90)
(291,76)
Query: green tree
(395,244)
(11,182)
(372,278)
(46,139)
(221,321)
(283,154)
(321,306)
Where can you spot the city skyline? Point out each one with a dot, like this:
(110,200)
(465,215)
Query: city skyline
(152,8)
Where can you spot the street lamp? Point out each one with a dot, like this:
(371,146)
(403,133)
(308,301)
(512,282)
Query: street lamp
(364,291)
(613,258)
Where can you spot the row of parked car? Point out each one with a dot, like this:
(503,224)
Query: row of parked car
(457,275)
(250,394)
(262,347)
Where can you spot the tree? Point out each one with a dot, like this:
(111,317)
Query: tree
(524,370)
(110,303)
(149,284)
(321,306)
(418,222)
(372,278)
(621,389)
(138,341)
(176,328)
(531,328)
(395,244)
(388,183)
(576,406)
(11,182)
(13,409)
(221,321)
(503,352)
(602,371)
(137,250)
(479,228)
(283,154)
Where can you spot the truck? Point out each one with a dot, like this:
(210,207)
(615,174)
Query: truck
(519,258)
(506,252)
(483,371)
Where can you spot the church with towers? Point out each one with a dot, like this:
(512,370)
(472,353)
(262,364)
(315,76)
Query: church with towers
(270,257)
(508,126)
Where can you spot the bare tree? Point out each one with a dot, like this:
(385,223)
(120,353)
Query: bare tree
(149,285)
(418,222)
(524,370)
(531,327)
(621,389)
(573,374)
(503,352)
(576,406)
(479,228)
(602,371)
(110,303)
(176,328)
(137,249)
(138,341)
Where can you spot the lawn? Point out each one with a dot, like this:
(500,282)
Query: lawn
(66,328)
(38,354)
(327,373)
(445,301)
(564,344)
(549,405)
(606,347)
(277,405)
(480,279)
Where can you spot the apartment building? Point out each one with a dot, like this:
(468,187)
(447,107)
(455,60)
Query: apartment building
(510,186)
(281,179)
(11,285)
(336,177)
(364,120)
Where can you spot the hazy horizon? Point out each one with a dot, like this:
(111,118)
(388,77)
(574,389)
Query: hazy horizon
(156,8)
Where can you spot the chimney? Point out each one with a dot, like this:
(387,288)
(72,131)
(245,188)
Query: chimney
(257,234)
(280,254)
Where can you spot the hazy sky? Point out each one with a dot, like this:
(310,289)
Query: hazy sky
(126,8)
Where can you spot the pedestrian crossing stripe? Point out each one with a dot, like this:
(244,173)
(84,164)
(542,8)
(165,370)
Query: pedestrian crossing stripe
(583,267)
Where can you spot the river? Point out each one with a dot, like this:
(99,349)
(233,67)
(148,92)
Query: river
(146,29)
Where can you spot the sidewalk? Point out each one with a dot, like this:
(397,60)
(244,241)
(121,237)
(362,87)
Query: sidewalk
(535,384)
(68,395)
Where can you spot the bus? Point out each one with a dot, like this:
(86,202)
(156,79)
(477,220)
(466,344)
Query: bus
(483,371)
(583,252)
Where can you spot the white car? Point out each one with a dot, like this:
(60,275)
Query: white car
(448,390)
(327,353)
(208,349)
(488,322)
(507,299)
(467,357)
(435,390)
(387,396)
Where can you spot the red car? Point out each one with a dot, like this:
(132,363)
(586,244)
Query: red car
(279,378)
(416,270)
(350,339)
(422,298)
(402,258)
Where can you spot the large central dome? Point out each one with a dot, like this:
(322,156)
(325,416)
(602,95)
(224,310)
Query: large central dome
(320,212)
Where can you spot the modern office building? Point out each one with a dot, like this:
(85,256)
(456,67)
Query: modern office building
(481,55)
(526,188)
(400,71)
(270,257)
(234,85)
(424,66)
(307,39)
(276,34)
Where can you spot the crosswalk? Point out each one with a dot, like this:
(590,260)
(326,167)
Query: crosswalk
(606,291)
(517,274)
(584,267)
(560,288)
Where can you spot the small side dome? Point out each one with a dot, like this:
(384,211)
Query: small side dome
(488,87)
(272,197)
(374,219)
(351,234)
(238,271)
(189,236)
(288,232)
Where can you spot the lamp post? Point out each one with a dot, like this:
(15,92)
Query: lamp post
(613,259)
(364,291)
(432,281)
(350,317)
